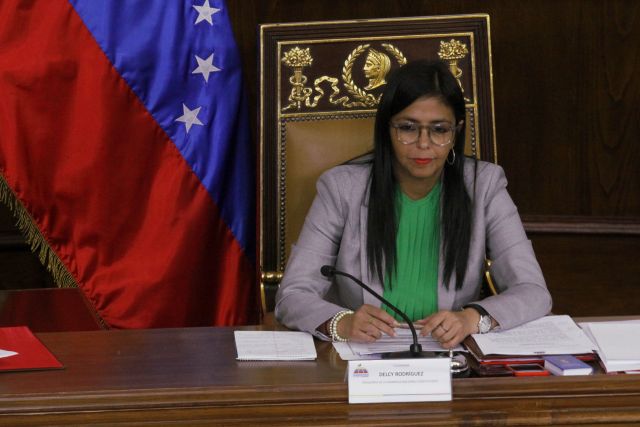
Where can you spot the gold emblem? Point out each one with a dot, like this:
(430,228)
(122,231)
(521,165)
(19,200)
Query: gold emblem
(376,67)
(297,59)
(453,51)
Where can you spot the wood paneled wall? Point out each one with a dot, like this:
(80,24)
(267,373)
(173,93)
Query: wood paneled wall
(567,97)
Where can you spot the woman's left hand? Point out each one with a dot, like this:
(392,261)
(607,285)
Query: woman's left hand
(450,327)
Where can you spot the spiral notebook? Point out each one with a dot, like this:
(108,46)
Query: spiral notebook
(274,345)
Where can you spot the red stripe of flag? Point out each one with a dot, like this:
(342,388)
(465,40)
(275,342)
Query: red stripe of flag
(106,186)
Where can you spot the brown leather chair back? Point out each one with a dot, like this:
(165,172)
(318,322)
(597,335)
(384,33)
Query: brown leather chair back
(320,83)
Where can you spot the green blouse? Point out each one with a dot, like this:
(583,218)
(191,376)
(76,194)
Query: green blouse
(414,289)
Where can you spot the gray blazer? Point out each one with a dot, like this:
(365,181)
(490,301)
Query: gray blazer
(335,233)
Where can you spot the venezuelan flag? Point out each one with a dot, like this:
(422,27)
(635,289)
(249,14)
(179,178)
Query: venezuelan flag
(125,153)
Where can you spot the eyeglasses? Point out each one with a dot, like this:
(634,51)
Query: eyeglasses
(440,134)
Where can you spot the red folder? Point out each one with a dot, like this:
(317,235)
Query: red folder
(32,354)
(505,359)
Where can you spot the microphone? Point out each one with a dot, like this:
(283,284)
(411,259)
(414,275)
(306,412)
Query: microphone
(415,349)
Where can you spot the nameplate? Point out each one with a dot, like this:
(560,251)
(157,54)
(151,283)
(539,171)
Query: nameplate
(400,380)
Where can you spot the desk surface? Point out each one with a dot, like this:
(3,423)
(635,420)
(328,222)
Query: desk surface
(191,376)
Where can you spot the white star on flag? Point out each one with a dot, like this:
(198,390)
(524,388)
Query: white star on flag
(205,67)
(205,12)
(189,117)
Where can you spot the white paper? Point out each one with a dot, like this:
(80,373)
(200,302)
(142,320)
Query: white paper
(618,343)
(274,345)
(387,344)
(547,335)
(401,380)
(6,353)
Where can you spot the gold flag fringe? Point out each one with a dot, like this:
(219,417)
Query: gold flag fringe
(39,245)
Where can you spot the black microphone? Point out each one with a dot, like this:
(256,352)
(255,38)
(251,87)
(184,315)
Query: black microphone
(415,349)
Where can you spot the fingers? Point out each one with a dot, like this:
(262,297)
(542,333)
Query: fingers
(432,322)
(368,324)
(380,315)
(447,327)
(451,338)
(381,320)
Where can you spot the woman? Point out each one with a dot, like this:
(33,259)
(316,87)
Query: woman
(415,220)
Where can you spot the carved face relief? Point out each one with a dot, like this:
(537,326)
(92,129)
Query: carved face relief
(376,67)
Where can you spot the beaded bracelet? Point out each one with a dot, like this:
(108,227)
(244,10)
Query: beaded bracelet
(333,325)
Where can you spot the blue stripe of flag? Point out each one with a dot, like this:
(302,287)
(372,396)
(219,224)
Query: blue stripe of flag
(153,45)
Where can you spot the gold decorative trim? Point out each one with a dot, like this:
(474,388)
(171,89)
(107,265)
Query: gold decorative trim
(273,277)
(375,38)
(453,51)
(298,58)
(487,274)
(362,99)
(493,111)
(379,20)
(327,114)
(36,240)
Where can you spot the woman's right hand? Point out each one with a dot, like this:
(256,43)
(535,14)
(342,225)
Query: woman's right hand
(367,324)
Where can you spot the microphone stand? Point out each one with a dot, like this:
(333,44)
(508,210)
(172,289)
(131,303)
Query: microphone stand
(459,366)
(415,349)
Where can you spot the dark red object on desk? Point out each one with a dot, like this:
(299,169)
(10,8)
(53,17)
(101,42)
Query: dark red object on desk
(32,354)
(48,310)
(529,370)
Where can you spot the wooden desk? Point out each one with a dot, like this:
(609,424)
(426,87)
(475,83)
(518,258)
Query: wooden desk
(189,376)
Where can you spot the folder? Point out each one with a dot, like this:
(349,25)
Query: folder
(530,342)
(31,352)
(511,359)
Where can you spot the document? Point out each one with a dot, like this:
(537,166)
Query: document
(387,344)
(617,343)
(544,336)
(274,345)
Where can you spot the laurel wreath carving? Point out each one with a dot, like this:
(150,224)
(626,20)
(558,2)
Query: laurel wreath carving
(365,99)
(395,52)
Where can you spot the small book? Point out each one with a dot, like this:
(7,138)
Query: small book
(566,365)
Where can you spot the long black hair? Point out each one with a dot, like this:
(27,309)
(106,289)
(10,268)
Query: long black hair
(408,83)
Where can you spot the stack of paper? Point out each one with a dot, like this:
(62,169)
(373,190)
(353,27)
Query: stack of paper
(274,345)
(618,343)
(387,344)
(545,336)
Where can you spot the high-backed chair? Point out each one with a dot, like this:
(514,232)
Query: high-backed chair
(320,83)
